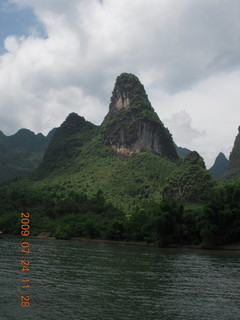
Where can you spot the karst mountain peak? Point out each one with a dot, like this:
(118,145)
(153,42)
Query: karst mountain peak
(132,125)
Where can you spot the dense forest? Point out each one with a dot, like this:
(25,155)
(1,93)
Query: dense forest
(216,221)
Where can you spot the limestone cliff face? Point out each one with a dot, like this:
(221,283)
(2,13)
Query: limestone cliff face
(234,160)
(132,125)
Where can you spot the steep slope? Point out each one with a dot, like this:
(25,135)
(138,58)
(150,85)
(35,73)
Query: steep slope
(21,153)
(190,181)
(219,167)
(132,126)
(234,160)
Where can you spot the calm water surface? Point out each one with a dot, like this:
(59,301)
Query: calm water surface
(88,281)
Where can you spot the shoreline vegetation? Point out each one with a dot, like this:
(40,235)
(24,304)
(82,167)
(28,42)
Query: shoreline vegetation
(213,223)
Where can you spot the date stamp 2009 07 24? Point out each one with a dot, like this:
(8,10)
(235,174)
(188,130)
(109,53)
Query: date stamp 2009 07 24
(25,261)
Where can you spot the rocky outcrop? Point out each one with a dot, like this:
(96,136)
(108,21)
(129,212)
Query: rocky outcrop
(234,160)
(132,125)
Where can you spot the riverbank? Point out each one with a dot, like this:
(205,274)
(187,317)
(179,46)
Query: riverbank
(45,234)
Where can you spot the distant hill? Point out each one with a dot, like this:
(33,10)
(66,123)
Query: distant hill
(233,170)
(182,152)
(21,153)
(219,167)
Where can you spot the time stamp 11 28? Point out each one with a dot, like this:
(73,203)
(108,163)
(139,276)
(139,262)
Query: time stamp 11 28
(25,259)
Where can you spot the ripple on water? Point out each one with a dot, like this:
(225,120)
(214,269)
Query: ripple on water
(76,280)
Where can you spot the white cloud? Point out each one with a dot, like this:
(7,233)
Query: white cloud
(180,125)
(211,108)
(185,52)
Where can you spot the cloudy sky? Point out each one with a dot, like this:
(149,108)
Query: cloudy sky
(59,56)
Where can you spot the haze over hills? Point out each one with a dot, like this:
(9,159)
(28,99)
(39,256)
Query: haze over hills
(21,153)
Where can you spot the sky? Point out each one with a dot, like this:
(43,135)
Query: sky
(58,57)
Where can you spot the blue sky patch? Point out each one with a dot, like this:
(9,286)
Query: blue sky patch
(15,21)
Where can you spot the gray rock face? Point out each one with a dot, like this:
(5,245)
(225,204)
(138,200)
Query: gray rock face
(132,125)
(139,136)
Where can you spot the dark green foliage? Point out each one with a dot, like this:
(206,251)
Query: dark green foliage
(65,213)
(68,214)
(9,223)
(169,223)
(219,222)
(66,145)
(62,232)
(162,223)
(190,182)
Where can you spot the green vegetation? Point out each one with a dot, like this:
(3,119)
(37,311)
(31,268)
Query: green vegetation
(219,221)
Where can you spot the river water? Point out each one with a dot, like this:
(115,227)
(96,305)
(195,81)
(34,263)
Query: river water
(90,281)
